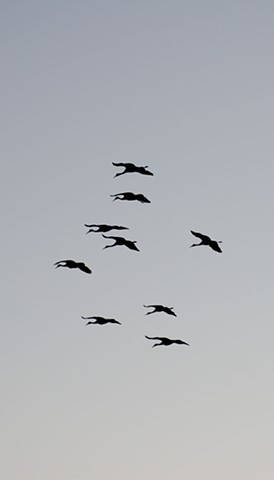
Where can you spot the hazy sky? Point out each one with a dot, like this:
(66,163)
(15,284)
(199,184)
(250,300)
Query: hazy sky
(185,87)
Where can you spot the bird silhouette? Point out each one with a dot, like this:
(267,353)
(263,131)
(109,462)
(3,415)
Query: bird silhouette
(130,196)
(160,308)
(121,241)
(131,168)
(205,240)
(166,341)
(73,264)
(103,228)
(100,320)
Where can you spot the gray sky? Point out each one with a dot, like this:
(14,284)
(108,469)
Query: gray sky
(185,87)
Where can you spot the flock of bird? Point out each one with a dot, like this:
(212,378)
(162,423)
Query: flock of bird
(130,244)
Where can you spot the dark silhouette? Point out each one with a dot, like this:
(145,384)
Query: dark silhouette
(100,320)
(166,341)
(205,240)
(73,264)
(131,168)
(103,228)
(160,308)
(121,241)
(130,196)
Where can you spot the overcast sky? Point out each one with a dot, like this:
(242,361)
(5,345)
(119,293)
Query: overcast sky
(185,87)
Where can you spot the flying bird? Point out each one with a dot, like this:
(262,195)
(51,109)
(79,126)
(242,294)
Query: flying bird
(165,341)
(131,168)
(130,196)
(103,228)
(73,264)
(121,241)
(100,320)
(160,308)
(205,240)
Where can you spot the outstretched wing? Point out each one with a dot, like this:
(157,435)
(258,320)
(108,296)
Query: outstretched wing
(107,236)
(113,237)
(155,338)
(95,317)
(120,164)
(122,193)
(201,236)
(154,306)
(118,194)
(119,227)
(62,261)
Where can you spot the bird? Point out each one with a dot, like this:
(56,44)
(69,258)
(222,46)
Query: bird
(131,168)
(160,308)
(100,320)
(73,264)
(166,341)
(130,196)
(205,240)
(103,228)
(122,242)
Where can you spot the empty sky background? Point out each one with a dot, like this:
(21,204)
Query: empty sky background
(185,87)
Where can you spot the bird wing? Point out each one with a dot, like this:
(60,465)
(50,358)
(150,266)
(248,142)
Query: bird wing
(121,193)
(161,339)
(113,237)
(120,164)
(119,227)
(200,235)
(95,317)
(125,193)
(106,236)
(63,261)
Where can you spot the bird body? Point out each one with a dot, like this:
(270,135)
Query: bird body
(73,264)
(160,308)
(121,241)
(130,196)
(131,168)
(205,240)
(103,228)
(100,320)
(166,341)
